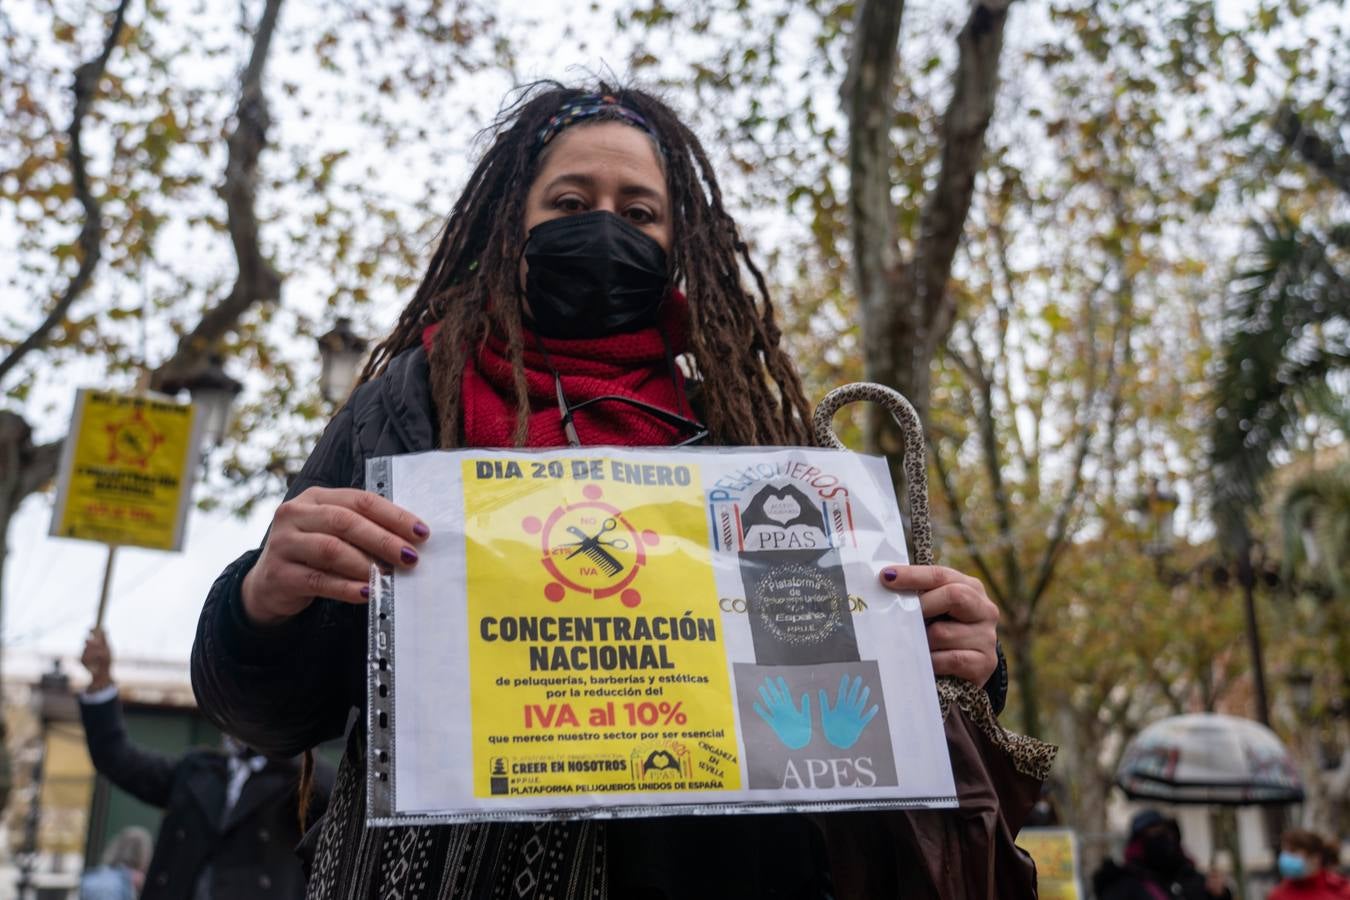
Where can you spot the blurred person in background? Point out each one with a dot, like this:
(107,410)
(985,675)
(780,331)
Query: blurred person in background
(1156,867)
(123,870)
(1045,814)
(1304,870)
(232,818)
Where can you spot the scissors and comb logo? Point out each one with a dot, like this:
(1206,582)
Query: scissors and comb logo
(594,547)
(590,547)
(133,439)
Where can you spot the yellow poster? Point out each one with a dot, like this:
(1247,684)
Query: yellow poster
(1055,851)
(647,631)
(126,471)
(596,658)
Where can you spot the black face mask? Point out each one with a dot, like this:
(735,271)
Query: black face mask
(1162,853)
(591,275)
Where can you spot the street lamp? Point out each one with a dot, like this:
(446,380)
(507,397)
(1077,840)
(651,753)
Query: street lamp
(1158,509)
(56,702)
(1300,691)
(341,352)
(213,392)
(1159,506)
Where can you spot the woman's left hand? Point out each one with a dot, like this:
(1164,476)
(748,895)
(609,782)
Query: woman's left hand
(962,621)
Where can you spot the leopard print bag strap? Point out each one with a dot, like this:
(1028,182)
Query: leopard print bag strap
(1030,756)
(915,450)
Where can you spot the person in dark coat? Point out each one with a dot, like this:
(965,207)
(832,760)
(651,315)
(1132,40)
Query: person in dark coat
(1156,867)
(231,818)
(589,252)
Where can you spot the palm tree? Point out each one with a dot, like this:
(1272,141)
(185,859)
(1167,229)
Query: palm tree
(1289,334)
(1287,343)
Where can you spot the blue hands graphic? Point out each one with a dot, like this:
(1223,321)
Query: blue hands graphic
(844,724)
(793,727)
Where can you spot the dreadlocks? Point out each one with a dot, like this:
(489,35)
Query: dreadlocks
(752,395)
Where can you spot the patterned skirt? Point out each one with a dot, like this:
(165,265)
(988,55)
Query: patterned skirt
(481,861)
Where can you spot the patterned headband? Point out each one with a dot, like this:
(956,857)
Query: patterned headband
(589,106)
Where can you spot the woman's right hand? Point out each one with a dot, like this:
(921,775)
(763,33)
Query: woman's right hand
(322,544)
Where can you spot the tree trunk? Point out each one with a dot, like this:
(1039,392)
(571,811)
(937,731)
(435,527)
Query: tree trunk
(913,378)
(14,441)
(1090,817)
(1023,667)
(1088,786)
(905,306)
(6,761)
(24,469)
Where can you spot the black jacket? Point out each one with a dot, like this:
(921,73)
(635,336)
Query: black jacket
(1116,882)
(251,851)
(291,687)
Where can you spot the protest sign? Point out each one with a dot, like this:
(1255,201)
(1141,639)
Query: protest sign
(126,471)
(646,632)
(1055,851)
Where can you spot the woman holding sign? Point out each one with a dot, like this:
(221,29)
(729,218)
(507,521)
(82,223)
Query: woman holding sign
(589,251)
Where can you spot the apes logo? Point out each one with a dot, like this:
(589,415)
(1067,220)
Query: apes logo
(591,547)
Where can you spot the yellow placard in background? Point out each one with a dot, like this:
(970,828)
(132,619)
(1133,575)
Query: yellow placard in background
(126,471)
(596,653)
(1055,851)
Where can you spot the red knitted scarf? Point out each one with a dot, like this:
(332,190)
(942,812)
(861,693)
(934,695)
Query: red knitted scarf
(631,365)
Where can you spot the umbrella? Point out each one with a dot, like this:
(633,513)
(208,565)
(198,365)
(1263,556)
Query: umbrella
(1209,758)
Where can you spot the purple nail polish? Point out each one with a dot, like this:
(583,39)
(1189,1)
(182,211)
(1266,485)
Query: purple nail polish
(408,555)
(888,574)
(421,530)
(365,591)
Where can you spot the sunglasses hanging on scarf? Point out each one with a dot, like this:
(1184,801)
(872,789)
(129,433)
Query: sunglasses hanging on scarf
(567,411)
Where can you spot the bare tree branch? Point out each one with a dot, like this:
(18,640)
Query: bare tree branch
(1205,685)
(257,281)
(980,44)
(993,465)
(1175,698)
(959,519)
(1059,531)
(1004,308)
(1119,722)
(1121,328)
(90,241)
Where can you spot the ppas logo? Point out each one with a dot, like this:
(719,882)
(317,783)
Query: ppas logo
(783,505)
(667,762)
(590,547)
